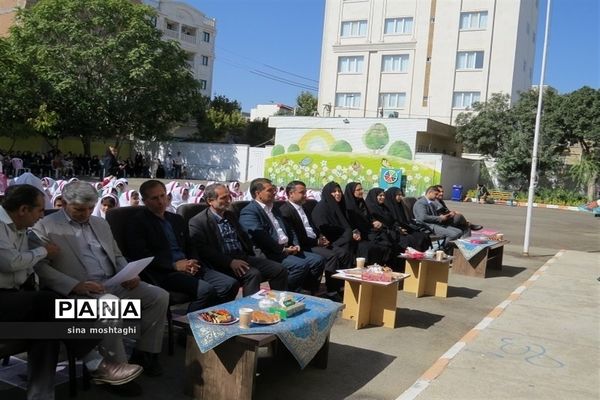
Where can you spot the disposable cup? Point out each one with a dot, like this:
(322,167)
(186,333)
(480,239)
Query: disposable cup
(245,317)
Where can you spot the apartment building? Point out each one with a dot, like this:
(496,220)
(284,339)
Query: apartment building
(423,58)
(195,33)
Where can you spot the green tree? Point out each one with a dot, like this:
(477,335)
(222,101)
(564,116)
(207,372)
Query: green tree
(506,132)
(101,69)
(221,117)
(258,133)
(400,149)
(341,146)
(306,104)
(481,130)
(579,117)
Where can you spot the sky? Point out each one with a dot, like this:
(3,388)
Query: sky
(268,51)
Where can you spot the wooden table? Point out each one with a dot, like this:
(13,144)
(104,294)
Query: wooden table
(228,371)
(488,257)
(368,302)
(427,276)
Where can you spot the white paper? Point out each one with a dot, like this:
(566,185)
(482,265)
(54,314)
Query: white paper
(128,272)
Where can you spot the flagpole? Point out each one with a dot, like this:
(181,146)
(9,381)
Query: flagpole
(536,137)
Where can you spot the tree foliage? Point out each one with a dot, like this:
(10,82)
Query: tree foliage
(506,132)
(96,68)
(306,104)
(219,119)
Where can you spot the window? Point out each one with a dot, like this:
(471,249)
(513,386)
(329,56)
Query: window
(473,20)
(354,28)
(395,63)
(206,37)
(204,60)
(347,100)
(469,60)
(392,100)
(398,26)
(203,84)
(350,65)
(464,99)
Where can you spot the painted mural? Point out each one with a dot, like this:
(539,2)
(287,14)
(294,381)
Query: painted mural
(373,156)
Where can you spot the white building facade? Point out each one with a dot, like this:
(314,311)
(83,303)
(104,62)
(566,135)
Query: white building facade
(195,33)
(264,111)
(423,58)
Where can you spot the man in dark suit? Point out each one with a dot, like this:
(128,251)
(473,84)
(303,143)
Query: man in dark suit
(277,240)
(216,234)
(310,238)
(164,235)
(458,220)
(425,210)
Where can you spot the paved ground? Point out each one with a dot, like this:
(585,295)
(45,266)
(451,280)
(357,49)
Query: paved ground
(380,363)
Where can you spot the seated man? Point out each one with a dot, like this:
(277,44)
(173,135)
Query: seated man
(88,258)
(482,193)
(216,234)
(458,220)
(164,235)
(20,301)
(311,240)
(276,240)
(425,211)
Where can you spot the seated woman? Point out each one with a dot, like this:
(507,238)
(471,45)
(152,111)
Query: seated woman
(388,208)
(375,244)
(331,219)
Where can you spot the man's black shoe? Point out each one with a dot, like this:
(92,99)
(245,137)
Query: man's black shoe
(147,360)
(476,227)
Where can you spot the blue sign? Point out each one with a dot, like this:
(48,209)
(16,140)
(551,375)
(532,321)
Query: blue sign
(390,177)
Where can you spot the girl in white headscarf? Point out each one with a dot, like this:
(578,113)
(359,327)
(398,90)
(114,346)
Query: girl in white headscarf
(105,203)
(234,191)
(180,196)
(129,198)
(57,200)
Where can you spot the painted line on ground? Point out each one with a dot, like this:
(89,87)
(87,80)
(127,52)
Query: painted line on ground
(442,363)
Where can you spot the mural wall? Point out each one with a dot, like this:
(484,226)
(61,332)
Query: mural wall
(373,153)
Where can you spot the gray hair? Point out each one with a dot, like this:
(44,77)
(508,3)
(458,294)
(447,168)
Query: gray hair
(79,193)
(210,192)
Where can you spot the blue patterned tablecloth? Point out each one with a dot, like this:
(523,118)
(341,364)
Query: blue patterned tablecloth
(469,250)
(303,334)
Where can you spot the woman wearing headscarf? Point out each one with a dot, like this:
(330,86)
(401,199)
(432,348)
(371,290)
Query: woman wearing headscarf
(379,248)
(393,201)
(330,217)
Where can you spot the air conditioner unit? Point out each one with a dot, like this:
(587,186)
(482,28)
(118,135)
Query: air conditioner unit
(393,114)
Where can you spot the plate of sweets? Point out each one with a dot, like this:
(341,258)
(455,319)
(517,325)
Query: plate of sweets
(218,317)
(264,318)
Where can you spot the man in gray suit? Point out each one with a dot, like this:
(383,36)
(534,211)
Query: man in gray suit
(88,257)
(425,211)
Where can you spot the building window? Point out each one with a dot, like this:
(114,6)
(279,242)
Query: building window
(347,100)
(206,37)
(203,84)
(473,20)
(350,65)
(395,63)
(392,100)
(354,28)
(398,26)
(204,60)
(464,99)
(469,60)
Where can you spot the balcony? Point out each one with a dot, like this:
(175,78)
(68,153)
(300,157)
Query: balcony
(189,38)
(171,33)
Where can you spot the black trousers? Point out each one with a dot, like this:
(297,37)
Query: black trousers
(261,269)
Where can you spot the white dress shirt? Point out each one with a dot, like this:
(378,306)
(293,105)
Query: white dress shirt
(309,230)
(281,236)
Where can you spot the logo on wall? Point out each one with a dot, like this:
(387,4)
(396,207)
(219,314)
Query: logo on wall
(390,177)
